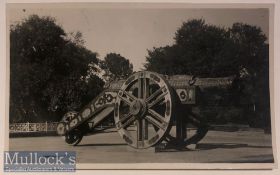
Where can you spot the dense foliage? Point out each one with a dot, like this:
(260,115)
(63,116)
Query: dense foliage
(116,67)
(48,71)
(205,50)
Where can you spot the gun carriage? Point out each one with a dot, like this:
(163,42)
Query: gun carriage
(145,106)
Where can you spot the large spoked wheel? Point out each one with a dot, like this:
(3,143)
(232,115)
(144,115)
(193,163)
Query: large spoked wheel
(74,137)
(143,109)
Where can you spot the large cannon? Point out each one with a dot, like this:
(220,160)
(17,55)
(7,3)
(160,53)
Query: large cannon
(145,107)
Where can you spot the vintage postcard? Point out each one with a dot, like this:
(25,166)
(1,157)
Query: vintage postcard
(139,86)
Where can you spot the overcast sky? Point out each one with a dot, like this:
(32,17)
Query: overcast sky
(130,32)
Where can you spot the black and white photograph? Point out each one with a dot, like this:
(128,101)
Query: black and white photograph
(142,85)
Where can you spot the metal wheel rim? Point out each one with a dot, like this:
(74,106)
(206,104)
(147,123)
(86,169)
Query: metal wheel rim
(146,116)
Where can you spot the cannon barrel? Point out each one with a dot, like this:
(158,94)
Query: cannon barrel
(183,81)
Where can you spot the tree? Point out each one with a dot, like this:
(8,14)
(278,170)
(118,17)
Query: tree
(206,50)
(47,71)
(200,49)
(116,67)
(252,55)
(209,51)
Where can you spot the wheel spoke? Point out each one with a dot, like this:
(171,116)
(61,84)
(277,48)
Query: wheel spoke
(142,130)
(130,95)
(125,117)
(156,123)
(127,98)
(139,130)
(128,122)
(140,88)
(157,100)
(145,129)
(146,88)
(155,94)
(157,116)
(143,88)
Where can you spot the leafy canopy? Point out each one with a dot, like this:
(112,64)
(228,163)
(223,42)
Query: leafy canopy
(116,67)
(48,69)
(207,50)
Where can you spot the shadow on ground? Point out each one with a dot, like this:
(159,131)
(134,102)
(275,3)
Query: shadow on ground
(103,144)
(209,146)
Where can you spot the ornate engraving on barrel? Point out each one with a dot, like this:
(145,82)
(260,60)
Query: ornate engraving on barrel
(187,95)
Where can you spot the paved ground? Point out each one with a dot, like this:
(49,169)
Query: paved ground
(217,147)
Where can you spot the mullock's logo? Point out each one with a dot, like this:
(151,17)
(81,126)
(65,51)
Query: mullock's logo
(24,161)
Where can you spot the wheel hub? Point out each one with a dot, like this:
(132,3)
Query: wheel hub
(138,108)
